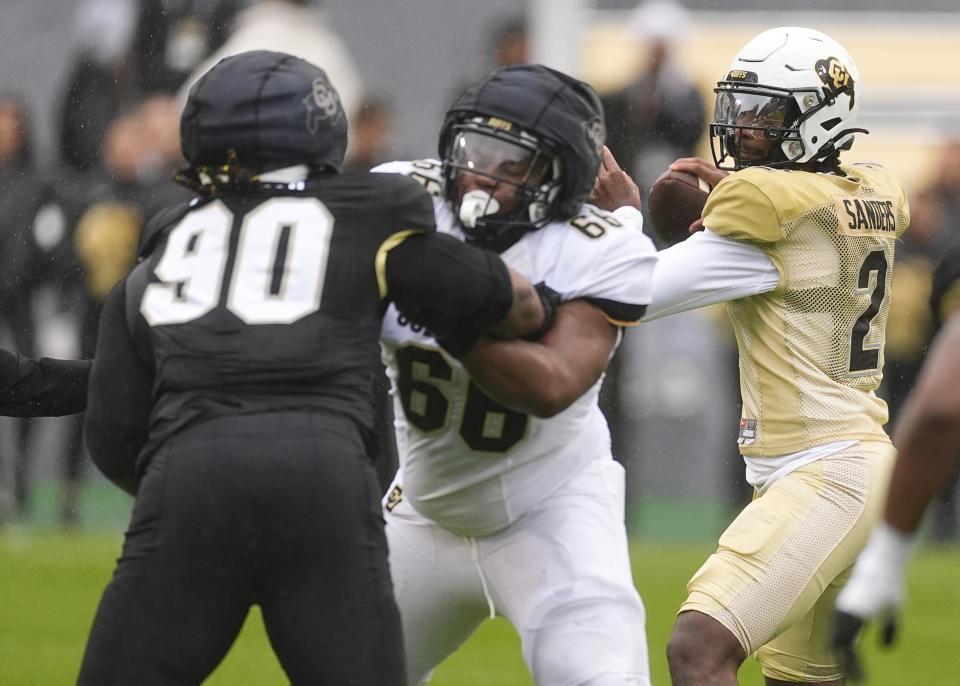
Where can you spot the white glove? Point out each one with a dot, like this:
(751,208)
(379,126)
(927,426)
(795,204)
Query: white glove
(876,584)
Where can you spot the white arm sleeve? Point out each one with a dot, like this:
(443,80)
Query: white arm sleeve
(706,269)
(629,216)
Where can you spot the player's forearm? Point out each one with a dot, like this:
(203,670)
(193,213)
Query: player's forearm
(928,433)
(544,378)
(43,387)
(707,269)
(114,449)
(517,374)
(927,452)
(526,314)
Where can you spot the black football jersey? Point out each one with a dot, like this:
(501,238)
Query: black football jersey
(269,301)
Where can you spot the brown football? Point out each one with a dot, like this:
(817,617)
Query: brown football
(675,202)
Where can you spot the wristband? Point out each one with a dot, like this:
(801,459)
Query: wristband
(549,300)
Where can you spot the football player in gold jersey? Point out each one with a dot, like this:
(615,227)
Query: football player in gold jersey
(801,248)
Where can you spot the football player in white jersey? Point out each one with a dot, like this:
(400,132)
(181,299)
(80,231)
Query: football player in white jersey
(801,248)
(508,501)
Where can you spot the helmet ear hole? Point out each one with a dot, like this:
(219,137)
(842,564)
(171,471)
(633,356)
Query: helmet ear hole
(831,124)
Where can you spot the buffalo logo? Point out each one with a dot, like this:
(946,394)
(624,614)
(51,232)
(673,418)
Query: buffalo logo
(597,135)
(498,123)
(836,77)
(742,75)
(322,103)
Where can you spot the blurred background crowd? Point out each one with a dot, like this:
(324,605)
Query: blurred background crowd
(90,96)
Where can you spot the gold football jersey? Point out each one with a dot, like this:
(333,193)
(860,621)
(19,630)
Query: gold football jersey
(811,349)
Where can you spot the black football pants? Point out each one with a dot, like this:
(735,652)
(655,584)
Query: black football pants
(279,510)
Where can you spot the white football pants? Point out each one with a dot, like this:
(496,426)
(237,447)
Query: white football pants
(560,575)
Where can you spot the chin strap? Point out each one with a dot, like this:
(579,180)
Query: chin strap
(830,147)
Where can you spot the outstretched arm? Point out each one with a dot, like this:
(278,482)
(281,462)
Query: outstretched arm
(42,387)
(531,309)
(460,292)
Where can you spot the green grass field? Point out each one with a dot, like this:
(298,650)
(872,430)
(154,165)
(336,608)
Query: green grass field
(50,583)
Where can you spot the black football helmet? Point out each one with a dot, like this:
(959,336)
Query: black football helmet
(264,110)
(544,130)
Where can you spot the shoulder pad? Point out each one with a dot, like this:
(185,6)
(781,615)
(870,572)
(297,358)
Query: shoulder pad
(753,204)
(593,222)
(602,260)
(158,224)
(740,209)
(427,172)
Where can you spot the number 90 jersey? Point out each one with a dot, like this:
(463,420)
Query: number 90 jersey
(811,349)
(270,300)
(466,462)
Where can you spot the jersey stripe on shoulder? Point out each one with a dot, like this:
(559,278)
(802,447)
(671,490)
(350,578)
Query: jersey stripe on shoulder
(380,262)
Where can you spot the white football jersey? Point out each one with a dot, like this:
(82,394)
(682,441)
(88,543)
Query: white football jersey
(467,462)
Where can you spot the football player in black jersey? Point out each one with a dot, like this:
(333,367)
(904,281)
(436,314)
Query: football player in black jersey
(232,392)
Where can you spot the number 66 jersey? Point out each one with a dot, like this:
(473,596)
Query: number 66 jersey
(466,462)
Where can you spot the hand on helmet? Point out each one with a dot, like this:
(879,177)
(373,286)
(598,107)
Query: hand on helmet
(614,188)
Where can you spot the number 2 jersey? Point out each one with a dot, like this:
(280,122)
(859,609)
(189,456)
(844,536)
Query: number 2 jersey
(466,462)
(269,301)
(811,349)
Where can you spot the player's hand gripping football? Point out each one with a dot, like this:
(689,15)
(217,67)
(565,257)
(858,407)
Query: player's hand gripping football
(614,188)
(875,590)
(704,169)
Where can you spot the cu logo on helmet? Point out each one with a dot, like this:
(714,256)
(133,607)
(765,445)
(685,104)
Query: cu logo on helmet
(322,103)
(597,135)
(836,77)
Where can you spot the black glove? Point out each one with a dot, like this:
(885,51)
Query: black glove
(846,630)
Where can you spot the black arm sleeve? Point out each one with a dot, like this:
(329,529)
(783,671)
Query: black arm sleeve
(434,278)
(120,399)
(42,387)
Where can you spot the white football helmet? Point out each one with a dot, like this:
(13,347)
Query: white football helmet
(791,95)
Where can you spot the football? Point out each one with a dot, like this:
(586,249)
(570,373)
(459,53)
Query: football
(676,200)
